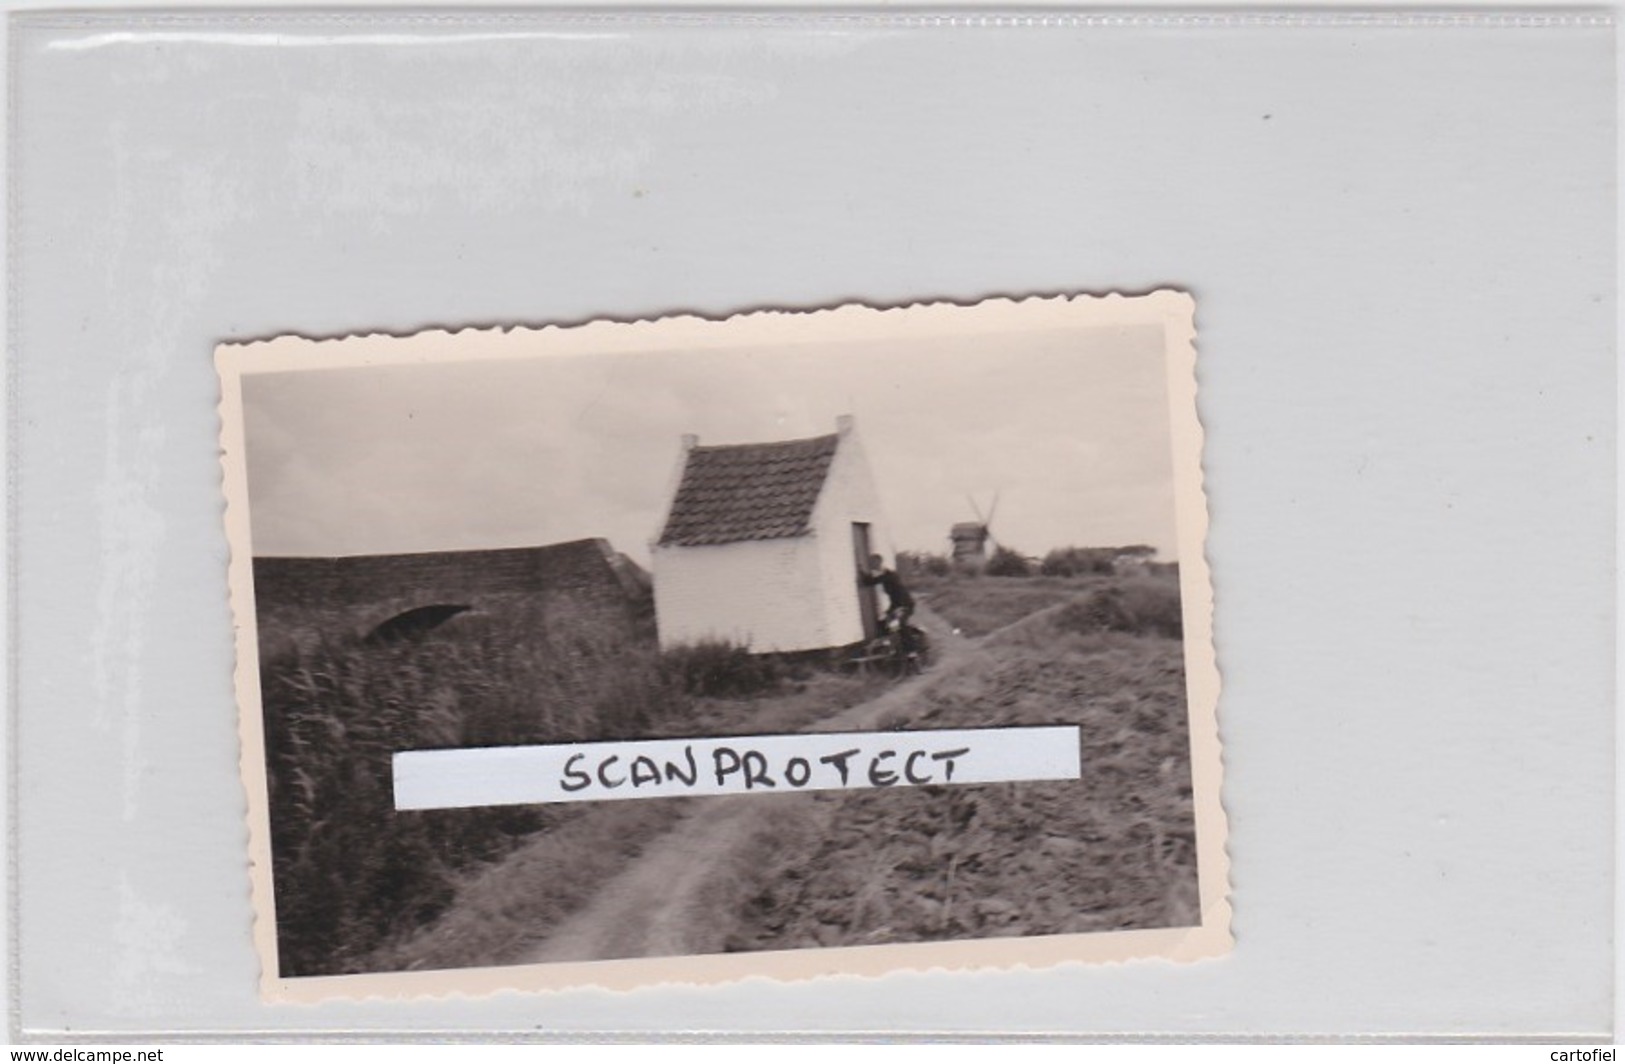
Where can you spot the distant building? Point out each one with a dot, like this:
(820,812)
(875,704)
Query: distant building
(969,539)
(762,544)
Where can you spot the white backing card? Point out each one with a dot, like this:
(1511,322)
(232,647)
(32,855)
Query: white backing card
(1399,233)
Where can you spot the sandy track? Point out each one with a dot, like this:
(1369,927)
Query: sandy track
(665,903)
(651,908)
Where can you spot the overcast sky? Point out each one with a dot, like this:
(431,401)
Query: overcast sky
(1070,428)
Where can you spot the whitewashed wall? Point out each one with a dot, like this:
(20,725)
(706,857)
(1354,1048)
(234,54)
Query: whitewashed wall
(849,495)
(762,593)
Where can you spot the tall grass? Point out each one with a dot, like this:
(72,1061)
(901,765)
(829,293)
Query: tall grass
(350,871)
(1148,603)
(1145,606)
(716,668)
(502,911)
(359,885)
(1113,850)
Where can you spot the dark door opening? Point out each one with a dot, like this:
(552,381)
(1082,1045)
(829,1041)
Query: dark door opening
(867,608)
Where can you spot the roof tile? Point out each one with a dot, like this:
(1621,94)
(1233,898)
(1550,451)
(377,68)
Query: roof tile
(748,491)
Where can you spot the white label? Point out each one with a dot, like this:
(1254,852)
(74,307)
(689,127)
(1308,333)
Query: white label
(760,764)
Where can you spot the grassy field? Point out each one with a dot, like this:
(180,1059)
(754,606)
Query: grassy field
(979,605)
(1114,850)
(502,909)
(363,888)
(351,873)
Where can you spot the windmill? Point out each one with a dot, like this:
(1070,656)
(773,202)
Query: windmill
(971,538)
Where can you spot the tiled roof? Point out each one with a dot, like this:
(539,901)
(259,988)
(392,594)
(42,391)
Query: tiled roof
(748,491)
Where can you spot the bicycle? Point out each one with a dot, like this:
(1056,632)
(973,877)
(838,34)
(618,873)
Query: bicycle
(900,648)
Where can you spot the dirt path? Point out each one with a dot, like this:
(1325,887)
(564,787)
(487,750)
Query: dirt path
(674,899)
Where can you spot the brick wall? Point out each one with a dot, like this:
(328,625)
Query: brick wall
(583,568)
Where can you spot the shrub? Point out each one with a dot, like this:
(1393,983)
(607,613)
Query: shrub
(1077,561)
(1102,561)
(1101,610)
(911,564)
(1164,570)
(1142,607)
(717,668)
(1006,562)
(1155,606)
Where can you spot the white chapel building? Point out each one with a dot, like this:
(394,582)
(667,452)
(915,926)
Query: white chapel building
(762,544)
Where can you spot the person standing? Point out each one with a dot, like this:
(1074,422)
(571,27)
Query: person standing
(900,604)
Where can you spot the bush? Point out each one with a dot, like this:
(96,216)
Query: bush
(1141,607)
(1006,562)
(1155,606)
(911,564)
(717,668)
(1076,561)
(1100,561)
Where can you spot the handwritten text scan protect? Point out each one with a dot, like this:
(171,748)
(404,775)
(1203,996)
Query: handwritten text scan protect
(763,764)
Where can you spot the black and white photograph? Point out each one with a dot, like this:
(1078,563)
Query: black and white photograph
(731,642)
